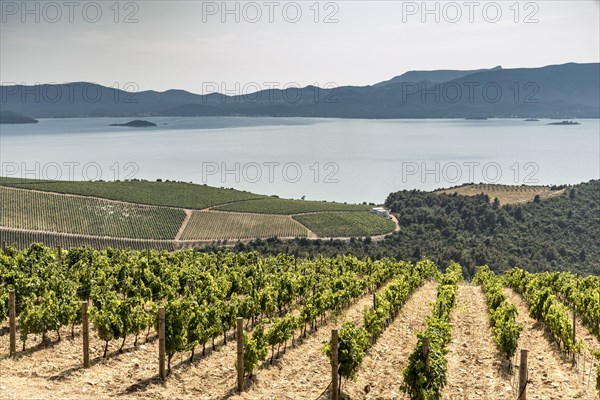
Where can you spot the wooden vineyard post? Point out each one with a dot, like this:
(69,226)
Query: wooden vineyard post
(426,352)
(161,343)
(12,312)
(522,394)
(374,300)
(335,391)
(240,354)
(574,329)
(86,334)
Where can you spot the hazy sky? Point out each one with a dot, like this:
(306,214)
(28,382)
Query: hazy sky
(192,45)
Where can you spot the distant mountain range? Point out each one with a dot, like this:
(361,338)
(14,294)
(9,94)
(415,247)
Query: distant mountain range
(439,76)
(556,91)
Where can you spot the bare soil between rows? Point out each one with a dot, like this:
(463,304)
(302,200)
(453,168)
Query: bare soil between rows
(54,371)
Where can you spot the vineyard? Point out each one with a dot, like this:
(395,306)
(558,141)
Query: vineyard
(346,224)
(170,194)
(23,238)
(212,225)
(130,218)
(32,210)
(181,195)
(193,306)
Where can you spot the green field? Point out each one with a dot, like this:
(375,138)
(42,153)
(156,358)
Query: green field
(25,209)
(346,224)
(273,205)
(172,194)
(212,225)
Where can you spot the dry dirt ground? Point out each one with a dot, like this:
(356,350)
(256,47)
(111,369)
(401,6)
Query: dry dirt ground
(54,372)
(506,194)
(305,372)
(476,369)
(551,374)
(380,374)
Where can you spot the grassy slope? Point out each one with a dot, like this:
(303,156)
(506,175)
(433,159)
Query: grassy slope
(25,209)
(346,224)
(172,194)
(210,225)
(274,205)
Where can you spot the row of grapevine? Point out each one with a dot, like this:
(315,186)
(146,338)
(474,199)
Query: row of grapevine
(502,314)
(426,372)
(580,292)
(406,278)
(34,210)
(544,306)
(23,239)
(354,341)
(203,294)
(125,287)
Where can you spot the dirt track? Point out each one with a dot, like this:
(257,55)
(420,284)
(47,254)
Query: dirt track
(381,371)
(475,368)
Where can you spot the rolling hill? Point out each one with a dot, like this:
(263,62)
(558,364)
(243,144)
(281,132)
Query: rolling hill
(166,215)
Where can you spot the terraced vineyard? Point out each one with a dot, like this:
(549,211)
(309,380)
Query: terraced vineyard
(213,225)
(288,308)
(346,224)
(33,210)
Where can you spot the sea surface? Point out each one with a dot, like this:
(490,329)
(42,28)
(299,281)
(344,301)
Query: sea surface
(351,160)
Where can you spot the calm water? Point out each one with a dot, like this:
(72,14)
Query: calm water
(330,159)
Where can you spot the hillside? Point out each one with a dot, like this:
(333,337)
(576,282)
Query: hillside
(558,233)
(170,194)
(39,211)
(166,215)
(506,194)
(555,91)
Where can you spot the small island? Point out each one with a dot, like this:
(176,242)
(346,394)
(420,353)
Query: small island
(565,123)
(9,117)
(531,120)
(136,124)
(476,118)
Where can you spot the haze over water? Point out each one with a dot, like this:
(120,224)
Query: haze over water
(322,159)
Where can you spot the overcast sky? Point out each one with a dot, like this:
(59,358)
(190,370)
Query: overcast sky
(192,45)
